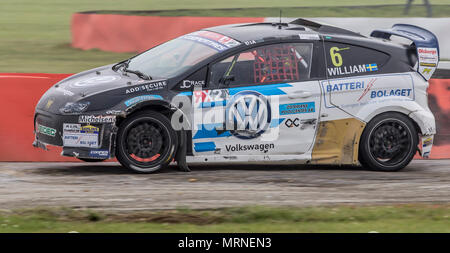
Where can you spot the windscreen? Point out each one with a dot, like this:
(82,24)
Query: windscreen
(176,56)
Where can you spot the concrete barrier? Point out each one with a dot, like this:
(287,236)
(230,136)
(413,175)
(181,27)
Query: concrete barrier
(21,92)
(121,33)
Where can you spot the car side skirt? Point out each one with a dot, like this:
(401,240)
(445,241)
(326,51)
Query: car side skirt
(337,142)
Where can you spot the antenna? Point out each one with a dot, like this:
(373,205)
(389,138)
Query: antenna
(279,24)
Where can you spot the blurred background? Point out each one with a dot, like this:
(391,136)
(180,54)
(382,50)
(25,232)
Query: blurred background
(35,36)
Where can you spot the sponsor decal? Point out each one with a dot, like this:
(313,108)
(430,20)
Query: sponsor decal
(249,147)
(353,69)
(356,85)
(367,89)
(147,87)
(139,99)
(336,57)
(80,140)
(427,53)
(99,154)
(209,98)
(213,40)
(428,64)
(353,92)
(46,130)
(113,112)
(89,129)
(94,81)
(49,103)
(249,42)
(297,108)
(64,91)
(428,141)
(204,146)
(248,114)
(297,122)
(338,69)
(308,122)
(75,135)
(97,119)
(309,36)
(188,84)
(426,71)
(292,122)
(428,59)
(67,127)
(391,92)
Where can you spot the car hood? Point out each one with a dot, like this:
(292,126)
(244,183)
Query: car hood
(83,85)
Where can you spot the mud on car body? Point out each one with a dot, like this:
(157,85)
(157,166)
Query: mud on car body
(299,92)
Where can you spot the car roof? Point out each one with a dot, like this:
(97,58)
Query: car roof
(257,31)
(260,31)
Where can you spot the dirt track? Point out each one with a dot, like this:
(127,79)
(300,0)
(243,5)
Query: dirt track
(109,186)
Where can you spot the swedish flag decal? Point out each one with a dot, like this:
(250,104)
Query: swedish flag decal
(371,67)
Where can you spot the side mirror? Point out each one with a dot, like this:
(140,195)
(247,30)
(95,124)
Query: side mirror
(226,80)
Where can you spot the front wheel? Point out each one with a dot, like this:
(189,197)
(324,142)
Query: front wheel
(146,142)
(388,143)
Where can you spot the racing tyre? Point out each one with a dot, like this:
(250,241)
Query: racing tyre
(388,142)
(146,142)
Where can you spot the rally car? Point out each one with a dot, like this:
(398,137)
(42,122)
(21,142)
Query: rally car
(284,93)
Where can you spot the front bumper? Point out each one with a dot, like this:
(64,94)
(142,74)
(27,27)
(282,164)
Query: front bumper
(88,140)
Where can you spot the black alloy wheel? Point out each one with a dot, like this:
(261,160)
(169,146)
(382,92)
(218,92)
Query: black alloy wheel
(146,142)
(388,143)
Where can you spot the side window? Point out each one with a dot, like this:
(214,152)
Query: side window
(346,60)
(287,62)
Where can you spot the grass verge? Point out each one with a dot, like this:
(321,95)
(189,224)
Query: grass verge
(392,218)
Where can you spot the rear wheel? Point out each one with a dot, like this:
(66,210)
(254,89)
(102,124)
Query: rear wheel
(388,142)
(146,142)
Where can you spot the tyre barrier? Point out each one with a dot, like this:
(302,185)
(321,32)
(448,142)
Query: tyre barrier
(21,92)
(138,33)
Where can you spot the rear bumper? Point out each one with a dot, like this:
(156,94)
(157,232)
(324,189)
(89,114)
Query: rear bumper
(98,144)
(427,124)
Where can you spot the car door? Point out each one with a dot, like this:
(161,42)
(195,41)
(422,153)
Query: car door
(261,101)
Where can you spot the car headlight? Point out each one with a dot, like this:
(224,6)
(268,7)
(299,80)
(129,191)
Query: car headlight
(74,107)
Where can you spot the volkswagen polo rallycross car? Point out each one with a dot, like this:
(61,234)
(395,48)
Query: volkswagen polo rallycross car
(283,93)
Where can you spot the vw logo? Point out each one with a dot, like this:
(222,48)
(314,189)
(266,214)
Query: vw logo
(248,115)
(94,80)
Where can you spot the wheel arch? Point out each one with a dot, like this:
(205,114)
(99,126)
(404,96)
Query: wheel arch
(367,116)
(161,106)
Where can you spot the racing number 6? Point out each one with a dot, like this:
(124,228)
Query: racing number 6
(336,58)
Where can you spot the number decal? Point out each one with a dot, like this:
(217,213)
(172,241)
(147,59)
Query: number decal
(336,58)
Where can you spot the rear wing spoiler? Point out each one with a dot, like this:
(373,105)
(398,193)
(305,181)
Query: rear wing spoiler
(426,44)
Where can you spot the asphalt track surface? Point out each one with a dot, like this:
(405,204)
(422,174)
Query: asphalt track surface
(108,186)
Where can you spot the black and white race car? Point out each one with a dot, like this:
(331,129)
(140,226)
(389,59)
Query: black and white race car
(284,93)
